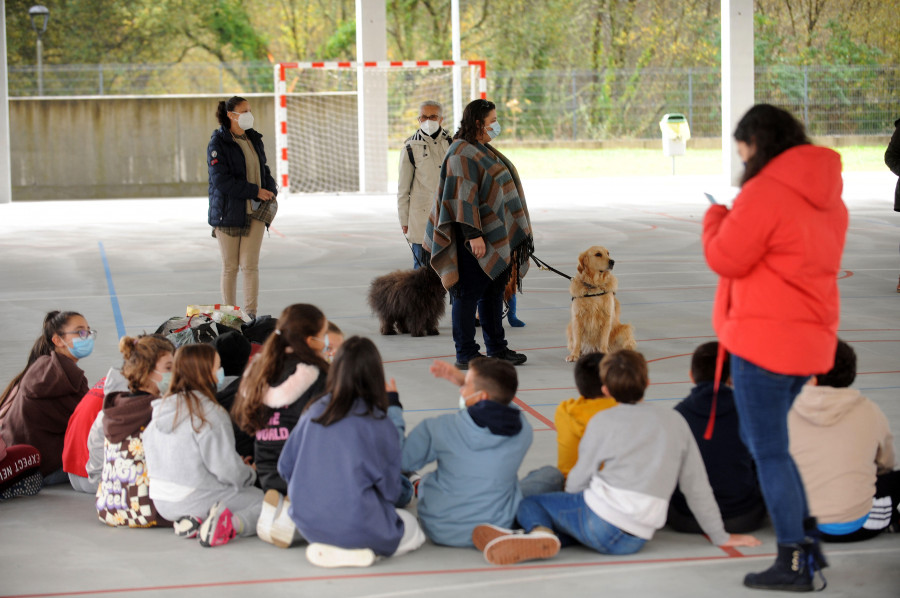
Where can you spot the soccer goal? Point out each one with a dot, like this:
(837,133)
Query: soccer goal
(330,137)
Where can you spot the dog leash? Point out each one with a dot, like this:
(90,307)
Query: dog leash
(415,258)
(542,265)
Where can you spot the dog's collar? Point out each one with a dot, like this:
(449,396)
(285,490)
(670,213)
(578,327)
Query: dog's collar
(591,295)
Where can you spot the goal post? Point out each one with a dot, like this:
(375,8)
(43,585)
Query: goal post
(318,144)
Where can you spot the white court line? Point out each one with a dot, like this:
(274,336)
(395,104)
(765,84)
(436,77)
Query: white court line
(604,569)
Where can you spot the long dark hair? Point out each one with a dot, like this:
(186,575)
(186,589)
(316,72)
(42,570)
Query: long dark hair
(356,373)
(296,324)
(473,118)
(772,130)
(192,374)
(225,107)
(54,322)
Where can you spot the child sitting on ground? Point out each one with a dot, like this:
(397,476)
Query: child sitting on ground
(342,467)
(843,447)
(729,465)
(478,450)
(617,494)
(197,478)
(123,494)
(572,416)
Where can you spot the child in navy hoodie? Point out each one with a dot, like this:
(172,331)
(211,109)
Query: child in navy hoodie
(729,465)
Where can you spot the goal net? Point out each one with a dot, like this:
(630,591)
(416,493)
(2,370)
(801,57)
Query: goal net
(331,137)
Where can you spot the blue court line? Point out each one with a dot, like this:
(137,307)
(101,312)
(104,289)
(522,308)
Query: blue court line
(113,299)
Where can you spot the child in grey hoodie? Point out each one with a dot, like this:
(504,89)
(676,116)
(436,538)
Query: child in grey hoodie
(197,478)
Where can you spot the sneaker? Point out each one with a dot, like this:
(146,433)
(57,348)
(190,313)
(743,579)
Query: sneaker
(187,527)
(217,529)
(414,479)
(270,507)
(464,365)
(284,532)
(484,533)
(326,555)
(511,356)
(515,548)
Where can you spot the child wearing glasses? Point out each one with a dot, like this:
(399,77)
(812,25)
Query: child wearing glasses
(36,404)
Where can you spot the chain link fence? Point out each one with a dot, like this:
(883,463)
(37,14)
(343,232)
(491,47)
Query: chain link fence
(561,106)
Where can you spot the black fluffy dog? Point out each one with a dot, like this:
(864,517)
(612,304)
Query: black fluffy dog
(411,300)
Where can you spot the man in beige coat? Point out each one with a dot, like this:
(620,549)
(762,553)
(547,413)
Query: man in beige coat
(420,169)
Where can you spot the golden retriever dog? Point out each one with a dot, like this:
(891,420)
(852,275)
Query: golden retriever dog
(594,325)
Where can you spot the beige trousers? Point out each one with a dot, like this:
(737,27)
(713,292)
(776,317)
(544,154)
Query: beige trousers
(241,253)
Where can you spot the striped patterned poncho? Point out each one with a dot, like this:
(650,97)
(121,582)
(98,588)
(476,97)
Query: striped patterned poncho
(479,187)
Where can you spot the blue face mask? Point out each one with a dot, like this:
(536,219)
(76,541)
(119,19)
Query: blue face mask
(163,385)
(82,347)
(494,130)
(220,376)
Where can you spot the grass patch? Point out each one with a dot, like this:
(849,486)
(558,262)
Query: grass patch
(549,163)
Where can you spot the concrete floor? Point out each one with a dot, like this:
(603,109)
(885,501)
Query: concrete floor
(129,265)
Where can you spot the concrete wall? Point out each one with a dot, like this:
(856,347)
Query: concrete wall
(116,147)
(121,147)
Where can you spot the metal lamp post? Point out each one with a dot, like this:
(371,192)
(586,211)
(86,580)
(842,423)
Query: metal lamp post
(38,12)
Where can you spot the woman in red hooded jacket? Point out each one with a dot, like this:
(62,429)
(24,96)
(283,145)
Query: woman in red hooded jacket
(778,254)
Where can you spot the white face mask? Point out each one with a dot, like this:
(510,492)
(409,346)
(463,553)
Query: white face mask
(430,127)
(245,120)
(462,402)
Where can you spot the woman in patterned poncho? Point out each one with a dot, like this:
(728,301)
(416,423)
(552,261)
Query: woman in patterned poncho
(479,233)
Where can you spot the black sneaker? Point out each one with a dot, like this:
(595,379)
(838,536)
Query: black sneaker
(511,356)
(464,365)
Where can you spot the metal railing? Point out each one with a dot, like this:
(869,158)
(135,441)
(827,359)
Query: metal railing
(569,105)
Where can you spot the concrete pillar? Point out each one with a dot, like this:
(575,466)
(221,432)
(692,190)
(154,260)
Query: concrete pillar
(371,46)
(457,69)
(737,79)
(5,169)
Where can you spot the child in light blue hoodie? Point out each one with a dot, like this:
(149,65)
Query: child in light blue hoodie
(478,450)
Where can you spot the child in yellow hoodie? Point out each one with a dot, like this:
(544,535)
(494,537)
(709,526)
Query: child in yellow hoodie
(573,415)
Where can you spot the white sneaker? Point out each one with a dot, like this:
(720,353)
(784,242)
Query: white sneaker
(284,531)
(275,525)
(271,502)
(326,555)
(515,548)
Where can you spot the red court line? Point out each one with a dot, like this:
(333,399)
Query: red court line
(731,551)
(670,357)
(529,409)
(332,578)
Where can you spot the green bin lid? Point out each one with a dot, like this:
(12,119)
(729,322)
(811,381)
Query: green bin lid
(674,117)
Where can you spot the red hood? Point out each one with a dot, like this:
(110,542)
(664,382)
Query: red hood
(812,171)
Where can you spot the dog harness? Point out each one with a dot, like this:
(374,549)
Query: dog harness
(591,295)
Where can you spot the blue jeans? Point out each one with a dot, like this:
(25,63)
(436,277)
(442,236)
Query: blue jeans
(476,290)
(542,480)
(763,399)
(418,255)
(574,522)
